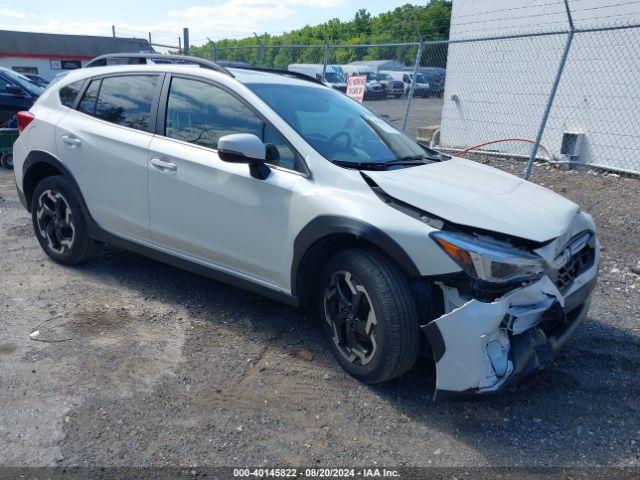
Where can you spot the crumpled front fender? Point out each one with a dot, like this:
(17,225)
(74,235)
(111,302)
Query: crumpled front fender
(481,346)
(472,336)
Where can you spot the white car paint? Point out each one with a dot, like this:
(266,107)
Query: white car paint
(110,166)
(469,193)
(214,214)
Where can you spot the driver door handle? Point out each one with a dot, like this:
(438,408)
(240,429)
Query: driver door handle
(71,141)
(163,166)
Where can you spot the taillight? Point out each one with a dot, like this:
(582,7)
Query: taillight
(24,119)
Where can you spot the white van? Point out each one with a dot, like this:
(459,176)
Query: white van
(333,75)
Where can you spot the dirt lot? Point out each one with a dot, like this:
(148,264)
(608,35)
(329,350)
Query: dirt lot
(149,365)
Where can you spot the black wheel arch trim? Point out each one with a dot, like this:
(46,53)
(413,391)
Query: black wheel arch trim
(36,157)
(436,341)
(324,227)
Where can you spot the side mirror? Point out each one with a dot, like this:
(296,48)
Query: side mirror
(245,148)
(14,90)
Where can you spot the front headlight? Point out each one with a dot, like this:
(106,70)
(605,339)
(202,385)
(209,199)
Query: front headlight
(488,260)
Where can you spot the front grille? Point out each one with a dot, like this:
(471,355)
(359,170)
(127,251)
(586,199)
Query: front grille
(577,264)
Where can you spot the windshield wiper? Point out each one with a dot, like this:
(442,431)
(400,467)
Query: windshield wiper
(412,160)
(434,154)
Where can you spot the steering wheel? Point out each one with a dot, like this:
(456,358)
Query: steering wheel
(332,140)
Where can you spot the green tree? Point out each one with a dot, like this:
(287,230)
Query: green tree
(401,25)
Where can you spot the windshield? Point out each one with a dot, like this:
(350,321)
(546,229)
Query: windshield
(333,77)
(384,77)
(24,82)
(421,78)
(371,76)
(338,128)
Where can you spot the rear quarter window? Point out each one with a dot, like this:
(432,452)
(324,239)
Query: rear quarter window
(69,93)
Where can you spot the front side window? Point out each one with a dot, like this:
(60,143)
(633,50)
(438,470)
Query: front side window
(201,113)
(126,100)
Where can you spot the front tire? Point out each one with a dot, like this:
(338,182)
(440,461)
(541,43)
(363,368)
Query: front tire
(369,315)
(59,223)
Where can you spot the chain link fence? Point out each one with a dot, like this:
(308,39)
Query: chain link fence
(567,96)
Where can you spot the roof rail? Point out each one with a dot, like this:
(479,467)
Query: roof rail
(280,71)
(138,58)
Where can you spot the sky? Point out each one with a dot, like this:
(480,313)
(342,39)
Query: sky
(165,19)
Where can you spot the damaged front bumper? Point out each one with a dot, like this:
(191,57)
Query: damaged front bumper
(480,347)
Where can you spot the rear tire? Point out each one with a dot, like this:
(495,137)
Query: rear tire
(59,223)
(7,161)
(369,315)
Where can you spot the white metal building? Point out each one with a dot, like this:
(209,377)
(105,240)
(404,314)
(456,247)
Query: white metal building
(498,89)
(47,54)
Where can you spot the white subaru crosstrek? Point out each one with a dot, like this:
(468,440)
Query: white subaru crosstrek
(289,188)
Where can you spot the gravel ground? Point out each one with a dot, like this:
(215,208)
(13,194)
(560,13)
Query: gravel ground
(148,365)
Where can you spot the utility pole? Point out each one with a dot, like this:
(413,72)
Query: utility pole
(554,90)
(113,31)
(149,38)
(261,55)
(185,35)
(180,45)
(325,60)
(413,79)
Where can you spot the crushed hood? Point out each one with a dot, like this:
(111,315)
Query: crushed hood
(475,195)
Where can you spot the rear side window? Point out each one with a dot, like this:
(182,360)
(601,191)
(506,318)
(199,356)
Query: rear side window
(88,102)
(126,100)
(69,93)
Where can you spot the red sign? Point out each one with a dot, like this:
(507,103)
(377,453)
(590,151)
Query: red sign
(356,85)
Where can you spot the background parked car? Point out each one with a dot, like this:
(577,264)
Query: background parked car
(37,79)
(435,76)
(392,87)
(333,75)
(17,93)
(59,76)
(374,89)
(231,64)
(421,88)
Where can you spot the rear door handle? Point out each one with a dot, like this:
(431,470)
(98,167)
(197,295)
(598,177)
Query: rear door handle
(71,141)
(163,166)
